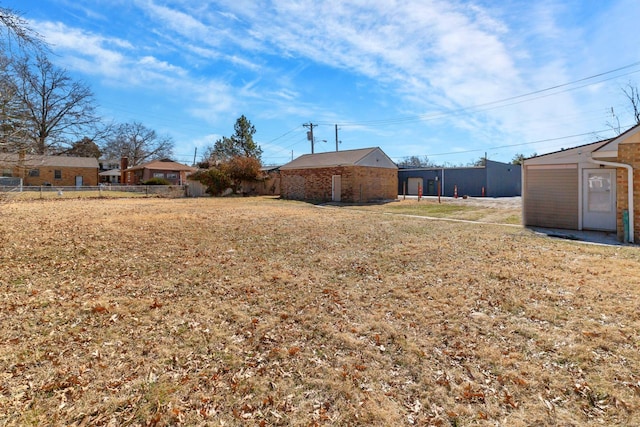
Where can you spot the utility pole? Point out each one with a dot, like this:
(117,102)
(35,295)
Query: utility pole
(336,137)
(195,152)
(310,133)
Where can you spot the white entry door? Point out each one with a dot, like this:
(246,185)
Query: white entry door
(336,187)
(599,199)
(79,181)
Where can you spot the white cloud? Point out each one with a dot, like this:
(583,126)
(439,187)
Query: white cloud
(180,22)
(84,51)
(152,63)
(210,98)
(413,57)
(205,141)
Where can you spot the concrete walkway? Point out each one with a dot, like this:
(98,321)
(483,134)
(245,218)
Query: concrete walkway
(593,237)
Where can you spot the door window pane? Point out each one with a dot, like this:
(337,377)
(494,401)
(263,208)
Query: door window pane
(599,192)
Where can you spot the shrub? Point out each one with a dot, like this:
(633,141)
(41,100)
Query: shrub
(216,180)
(229,174)
(156,181)
(241,168)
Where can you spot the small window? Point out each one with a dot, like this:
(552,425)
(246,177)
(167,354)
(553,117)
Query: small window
(34,172)
(172,176)
(57,174)
(158,175)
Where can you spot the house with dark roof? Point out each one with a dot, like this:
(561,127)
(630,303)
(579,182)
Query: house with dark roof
(352,176)
(589,187)
(174,172)
(35,169)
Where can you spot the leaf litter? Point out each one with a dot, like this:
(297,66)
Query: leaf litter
(267,312)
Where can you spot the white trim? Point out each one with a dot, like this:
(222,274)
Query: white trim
(607,153)
(629,169)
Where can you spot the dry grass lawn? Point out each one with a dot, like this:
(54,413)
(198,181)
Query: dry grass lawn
(500,211)
(258,311)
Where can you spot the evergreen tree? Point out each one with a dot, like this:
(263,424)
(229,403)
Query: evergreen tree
(241,143)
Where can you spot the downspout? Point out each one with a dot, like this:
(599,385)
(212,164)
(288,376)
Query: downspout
(629,169)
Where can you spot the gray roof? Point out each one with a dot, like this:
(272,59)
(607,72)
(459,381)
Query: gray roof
(372,157)
(37,160)
(163,165)
(111,172)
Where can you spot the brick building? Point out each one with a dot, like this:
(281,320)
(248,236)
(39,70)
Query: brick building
(351,176)
(174,172)
(591,187)
(50,170)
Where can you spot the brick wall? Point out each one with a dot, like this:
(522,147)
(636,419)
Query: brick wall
(358,184)
(67,177)
(629,154)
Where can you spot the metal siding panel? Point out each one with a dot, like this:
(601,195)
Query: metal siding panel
(551,198)
(469,181)
(503,180)
(426,175)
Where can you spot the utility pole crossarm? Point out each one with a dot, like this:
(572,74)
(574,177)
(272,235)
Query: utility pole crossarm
(310,133)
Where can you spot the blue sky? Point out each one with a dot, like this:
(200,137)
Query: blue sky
(451,80)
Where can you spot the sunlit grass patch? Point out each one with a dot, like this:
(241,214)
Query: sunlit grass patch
(430,209)
(447,208)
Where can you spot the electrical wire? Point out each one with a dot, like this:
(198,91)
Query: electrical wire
(494,104)
(515,145)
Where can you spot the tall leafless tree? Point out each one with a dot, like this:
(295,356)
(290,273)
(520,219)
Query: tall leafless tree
(15,32)
(12,114)
(632,94)
(17,40)
(58,109)
(138,144)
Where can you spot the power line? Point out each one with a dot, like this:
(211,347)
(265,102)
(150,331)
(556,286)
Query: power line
(517,145)
(283,135)
(495,104)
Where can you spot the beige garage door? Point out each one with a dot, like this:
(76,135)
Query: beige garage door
(412,186)
(551,196)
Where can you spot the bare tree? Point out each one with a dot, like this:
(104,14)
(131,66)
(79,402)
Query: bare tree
(12,114)
(614,123)
(58,109)
(416,162)
(14,30)
(633,95)
(17,39)
(138,143)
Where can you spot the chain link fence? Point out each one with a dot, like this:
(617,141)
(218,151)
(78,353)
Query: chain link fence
(15,189)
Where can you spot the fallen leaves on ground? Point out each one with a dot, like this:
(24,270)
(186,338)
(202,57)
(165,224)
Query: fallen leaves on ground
(260,311)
